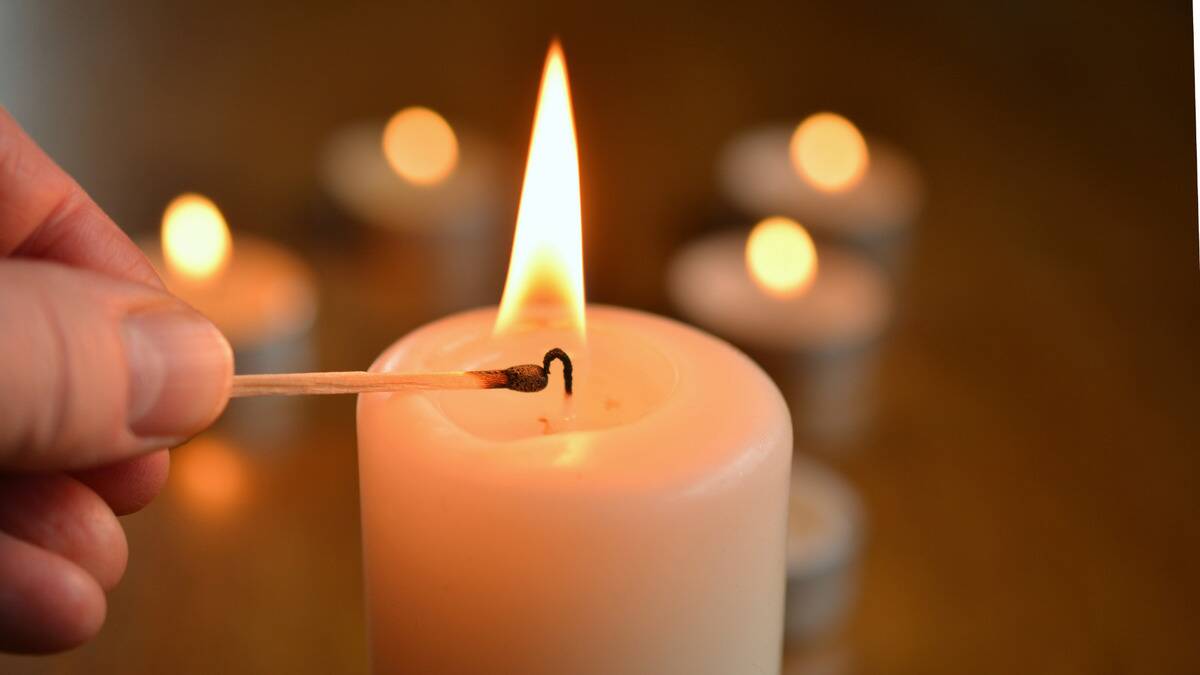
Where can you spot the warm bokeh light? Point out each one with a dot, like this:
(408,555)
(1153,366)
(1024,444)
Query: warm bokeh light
(546,268)
(210,476)
(420,146)
(195,239)
(781,257)
(829,151)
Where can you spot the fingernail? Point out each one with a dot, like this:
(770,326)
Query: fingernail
(180,370)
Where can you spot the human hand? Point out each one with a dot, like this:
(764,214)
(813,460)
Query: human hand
(100,370)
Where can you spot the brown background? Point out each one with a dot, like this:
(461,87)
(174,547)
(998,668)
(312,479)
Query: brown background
(1032,477)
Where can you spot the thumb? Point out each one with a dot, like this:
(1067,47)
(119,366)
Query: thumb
(95,370)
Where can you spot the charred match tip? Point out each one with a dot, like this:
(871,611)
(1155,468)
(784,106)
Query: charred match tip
(528,377)
(568,369)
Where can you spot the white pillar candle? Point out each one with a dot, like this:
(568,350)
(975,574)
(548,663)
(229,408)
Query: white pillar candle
(643,532)
(636,527)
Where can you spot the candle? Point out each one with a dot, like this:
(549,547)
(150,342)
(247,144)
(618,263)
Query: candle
(826,174)
(636,527)
(410,174)
(258,293)
(812,315)
(428,194)
(824,537)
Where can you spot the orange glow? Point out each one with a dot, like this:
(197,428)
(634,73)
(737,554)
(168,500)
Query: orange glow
(420,145)
(195,239)
(829,151)
(781,257)
(210,476)
(546,268)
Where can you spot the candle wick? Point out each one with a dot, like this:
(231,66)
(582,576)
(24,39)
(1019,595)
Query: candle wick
(568,369)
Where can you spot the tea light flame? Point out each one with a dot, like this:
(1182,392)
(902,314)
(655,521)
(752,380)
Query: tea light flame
(546,268)
(195,239)
(420,146)
(829,151)
(780,257)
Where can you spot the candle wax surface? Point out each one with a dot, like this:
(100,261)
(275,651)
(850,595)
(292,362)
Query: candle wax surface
(639,529)
(604,369)
(757,174)
(625,383)
(848,303)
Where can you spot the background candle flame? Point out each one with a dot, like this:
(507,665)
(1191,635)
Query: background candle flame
(781,257)
(546,268)
(195,239)
(829,151)
(420,146)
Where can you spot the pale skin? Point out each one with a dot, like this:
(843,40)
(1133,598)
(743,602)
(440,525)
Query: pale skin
(102,370)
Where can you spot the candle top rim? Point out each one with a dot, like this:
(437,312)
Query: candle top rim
(643,452)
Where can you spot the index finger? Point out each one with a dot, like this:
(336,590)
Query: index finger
(45,214)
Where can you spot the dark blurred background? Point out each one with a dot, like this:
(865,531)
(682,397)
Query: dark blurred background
(1031,477)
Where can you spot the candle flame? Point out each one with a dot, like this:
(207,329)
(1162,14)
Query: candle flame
(195,239)
(420,146)
(829,151)
(781,257)
(546,268)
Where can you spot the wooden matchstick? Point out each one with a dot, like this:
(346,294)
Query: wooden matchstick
(528,377)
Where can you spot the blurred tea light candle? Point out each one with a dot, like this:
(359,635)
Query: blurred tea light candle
(412,174)
(811,315)
(825,532)
(260,294)
(637,527)
(424,187)
(825,174)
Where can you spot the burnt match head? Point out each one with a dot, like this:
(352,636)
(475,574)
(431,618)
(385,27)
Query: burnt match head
(528,377)
(568,369)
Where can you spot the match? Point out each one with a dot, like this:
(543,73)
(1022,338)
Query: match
(528,377)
